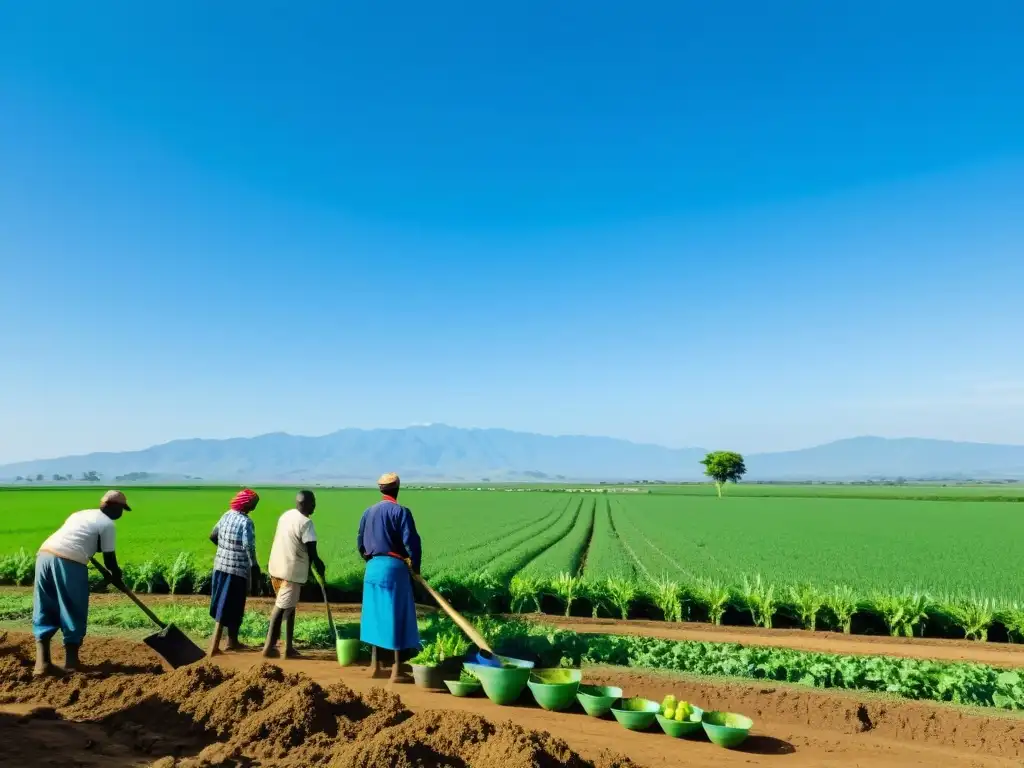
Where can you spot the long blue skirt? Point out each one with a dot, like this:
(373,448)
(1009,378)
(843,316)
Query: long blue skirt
(227,599)
(389,611)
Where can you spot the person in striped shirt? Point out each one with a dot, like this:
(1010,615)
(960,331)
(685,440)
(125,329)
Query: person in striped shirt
(235,569)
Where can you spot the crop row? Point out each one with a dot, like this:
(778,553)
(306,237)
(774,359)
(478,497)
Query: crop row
(960,683)
(754,601)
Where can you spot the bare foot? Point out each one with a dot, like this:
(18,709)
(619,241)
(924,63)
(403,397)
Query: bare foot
(291,653)
(400,678)
(271,653)
(378,673)
(236,647)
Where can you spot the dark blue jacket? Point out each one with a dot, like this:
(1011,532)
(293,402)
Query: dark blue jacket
(387,526)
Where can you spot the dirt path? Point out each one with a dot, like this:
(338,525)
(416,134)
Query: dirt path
(122,712)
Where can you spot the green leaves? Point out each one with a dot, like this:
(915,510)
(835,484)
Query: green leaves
(723,467)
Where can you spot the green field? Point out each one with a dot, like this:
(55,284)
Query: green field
(872,545)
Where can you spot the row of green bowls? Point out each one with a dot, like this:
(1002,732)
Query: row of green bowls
(559,689)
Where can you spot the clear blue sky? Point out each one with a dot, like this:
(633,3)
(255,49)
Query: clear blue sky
(742,224)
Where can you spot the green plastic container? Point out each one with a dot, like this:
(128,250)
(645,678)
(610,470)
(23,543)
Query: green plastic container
(463,687)
(679,730)
(348,651)
(636,714)
(727,729)
(503,685)
(597,700)
(555,689)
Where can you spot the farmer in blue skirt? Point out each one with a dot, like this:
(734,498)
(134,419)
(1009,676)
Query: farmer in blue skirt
(235,569)
(387,541)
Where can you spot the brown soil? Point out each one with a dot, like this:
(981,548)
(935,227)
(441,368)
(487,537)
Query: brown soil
(127,713)
(996,654)
(123,710)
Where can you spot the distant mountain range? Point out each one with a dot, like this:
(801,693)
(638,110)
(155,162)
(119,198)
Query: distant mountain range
(442,453)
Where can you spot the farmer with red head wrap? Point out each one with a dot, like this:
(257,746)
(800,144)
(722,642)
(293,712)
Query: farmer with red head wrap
(235,569)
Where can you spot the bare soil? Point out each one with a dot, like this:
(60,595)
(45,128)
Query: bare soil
(124,710)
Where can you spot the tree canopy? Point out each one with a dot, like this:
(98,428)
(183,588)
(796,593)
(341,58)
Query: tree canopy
(724,467)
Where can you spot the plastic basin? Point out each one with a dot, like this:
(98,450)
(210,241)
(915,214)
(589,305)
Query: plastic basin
(727,729)
(555,689)
(636,714)
(348,650)
(597,700)
(679,730)
(462,687)
(503,685)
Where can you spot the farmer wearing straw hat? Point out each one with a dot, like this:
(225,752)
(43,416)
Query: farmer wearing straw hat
(61,592)
(234,568)
(388,540)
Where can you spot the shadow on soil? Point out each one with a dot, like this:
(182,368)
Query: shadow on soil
(766,745)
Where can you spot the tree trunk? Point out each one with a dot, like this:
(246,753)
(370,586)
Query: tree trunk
(718,487)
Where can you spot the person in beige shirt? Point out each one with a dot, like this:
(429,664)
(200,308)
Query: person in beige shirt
(291,555)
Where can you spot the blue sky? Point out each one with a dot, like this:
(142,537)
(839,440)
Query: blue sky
(744,225)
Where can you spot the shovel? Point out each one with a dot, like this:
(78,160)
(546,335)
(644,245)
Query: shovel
(170,643)
(347,649)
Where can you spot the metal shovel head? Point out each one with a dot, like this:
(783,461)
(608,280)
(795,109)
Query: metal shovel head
(174,647)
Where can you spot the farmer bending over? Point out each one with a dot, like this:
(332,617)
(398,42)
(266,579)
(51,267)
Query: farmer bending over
(235,570)
(61,597)
(293,550)
(387,540)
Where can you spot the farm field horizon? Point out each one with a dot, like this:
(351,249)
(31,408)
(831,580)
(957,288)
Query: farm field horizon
(943,547)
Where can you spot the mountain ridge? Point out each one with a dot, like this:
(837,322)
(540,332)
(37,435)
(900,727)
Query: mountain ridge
(440,452)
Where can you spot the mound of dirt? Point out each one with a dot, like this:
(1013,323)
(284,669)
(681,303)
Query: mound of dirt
(204,716)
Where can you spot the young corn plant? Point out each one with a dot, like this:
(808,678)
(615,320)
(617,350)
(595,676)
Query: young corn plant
(902,611)
(758,598)
(808,601)
(181,572)
(597,595)
(566,587)
(714,596)
(843,603)
(147,576)
(524,588)
(23,566)
(973,614)
(1012,617)
(622,592)
(666,594)
(484,589)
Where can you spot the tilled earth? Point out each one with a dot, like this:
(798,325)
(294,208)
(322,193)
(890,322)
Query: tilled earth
(125,711)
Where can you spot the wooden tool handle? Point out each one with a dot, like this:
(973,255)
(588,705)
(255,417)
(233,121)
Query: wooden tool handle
(127,593)
(330,618)
(464,625)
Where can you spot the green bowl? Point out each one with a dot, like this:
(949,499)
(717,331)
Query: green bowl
(462,687)
(348,650)
(555,689)
(636,714)
(503,685)
(677,729)
(727,729)
(597,700)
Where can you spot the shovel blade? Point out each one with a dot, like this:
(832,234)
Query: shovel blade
(174,647)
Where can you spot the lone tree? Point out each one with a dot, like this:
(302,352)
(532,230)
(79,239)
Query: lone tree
(724,467)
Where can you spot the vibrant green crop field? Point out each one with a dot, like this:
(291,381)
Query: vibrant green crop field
(508,543)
